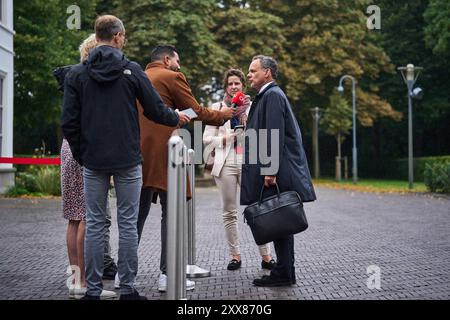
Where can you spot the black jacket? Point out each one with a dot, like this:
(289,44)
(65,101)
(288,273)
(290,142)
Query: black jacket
(100,116)
(272,110)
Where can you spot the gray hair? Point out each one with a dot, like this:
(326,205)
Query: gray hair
(268,63)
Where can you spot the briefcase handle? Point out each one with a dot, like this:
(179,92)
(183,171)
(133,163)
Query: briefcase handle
(262,192)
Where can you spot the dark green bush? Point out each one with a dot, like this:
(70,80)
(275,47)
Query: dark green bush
(437,176)
(16,191)
(398,168)
(27,181)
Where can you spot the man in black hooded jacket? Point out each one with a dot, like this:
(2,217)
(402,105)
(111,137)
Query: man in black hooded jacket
(100,122)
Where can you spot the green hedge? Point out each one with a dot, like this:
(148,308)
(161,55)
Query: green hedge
(398,169)
(437,176)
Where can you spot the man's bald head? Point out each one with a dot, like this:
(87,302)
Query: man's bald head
(107,26)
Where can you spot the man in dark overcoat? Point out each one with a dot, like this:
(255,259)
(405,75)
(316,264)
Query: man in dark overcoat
(275,139)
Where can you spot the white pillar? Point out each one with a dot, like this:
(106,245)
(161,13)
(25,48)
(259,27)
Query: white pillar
(7,91)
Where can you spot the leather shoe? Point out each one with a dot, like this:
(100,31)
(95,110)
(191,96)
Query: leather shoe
(109,273)
(268,265)
(272,281)
(89,297)
(132,296)
(234,265)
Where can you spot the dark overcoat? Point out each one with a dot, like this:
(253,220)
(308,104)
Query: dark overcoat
(272,110)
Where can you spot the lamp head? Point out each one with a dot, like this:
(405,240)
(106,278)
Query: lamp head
(417,93)
(410,72)
(340,89)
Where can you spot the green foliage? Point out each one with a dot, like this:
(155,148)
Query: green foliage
(314,41)
(403,37)
(437,31)
(48,180)
(398,169)
(16,191)
(27,181)
(437,176)
(337,118)
(246,32)
(184,24)
(42,43)
(37,180)
(325,40)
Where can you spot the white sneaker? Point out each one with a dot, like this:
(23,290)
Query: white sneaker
(72,291)
(79,293)
(162,283)
(117,281)
(106,294)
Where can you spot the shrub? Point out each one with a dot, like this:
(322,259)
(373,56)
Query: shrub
(437,176)
(27,181)
(37,181)
(16,191)
(48,180)
(398,168)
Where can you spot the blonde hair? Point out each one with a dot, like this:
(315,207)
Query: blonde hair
(86,46)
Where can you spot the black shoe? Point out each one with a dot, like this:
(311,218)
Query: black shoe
(132,296)
(268,265)
(109,273)
(89,297)
(272,281)
(234,265)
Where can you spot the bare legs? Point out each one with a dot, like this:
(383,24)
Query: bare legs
(75,246)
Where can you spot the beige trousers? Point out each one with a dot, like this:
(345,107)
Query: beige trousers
(227,182)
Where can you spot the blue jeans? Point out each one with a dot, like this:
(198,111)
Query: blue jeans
(128,183)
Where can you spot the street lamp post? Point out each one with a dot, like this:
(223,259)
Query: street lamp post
(354,150)
(315,137)
(417,93)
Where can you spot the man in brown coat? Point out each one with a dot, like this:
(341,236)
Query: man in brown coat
(163,72)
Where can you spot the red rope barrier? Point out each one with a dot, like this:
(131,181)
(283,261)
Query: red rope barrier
(38,161)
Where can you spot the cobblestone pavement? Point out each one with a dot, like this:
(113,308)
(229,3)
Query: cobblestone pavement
(406,236)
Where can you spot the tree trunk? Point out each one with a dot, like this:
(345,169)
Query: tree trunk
(338,159)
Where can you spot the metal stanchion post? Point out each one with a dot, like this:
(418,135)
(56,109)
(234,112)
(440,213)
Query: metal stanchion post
(192,270)
(176,206)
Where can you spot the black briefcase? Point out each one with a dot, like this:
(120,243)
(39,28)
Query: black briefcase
(276,216)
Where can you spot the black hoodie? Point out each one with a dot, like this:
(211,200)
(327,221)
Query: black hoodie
(100,116)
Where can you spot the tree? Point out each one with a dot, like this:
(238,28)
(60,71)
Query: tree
(185,24)
(407,27)
(246,32)
(42,43)
(337,121)
(326,39)
(437,31)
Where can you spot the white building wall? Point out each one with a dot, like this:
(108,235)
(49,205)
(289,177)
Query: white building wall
(7,73)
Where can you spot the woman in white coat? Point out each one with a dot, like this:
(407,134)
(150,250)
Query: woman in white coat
(226,169)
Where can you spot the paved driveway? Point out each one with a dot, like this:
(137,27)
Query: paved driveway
(406,238)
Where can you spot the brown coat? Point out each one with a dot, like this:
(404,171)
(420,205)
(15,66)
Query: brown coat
(176,93)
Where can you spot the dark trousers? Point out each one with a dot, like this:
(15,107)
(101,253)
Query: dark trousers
(145,203)
(284,249)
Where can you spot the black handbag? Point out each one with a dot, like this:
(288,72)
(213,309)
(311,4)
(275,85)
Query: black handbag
(276,216)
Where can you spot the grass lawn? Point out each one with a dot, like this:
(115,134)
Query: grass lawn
(372,185)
